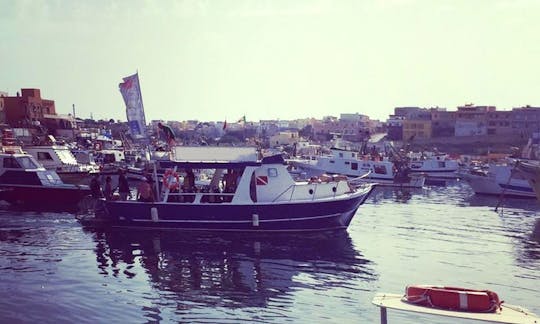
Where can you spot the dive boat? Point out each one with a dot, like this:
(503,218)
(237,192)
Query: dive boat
(23,181)
(498,179)
(374,169)
(244,194)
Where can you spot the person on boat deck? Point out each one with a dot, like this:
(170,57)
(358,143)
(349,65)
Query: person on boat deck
(123,186)
(95,187)
(168,133)
(189,181)
(144,191)
(230,181)
(108,188)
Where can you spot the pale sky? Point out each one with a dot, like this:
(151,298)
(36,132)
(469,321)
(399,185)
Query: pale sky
(216,60)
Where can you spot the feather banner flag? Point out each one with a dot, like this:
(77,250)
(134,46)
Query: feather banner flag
(131,92)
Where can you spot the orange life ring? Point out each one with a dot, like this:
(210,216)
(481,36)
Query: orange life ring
(171,185)
(453,298)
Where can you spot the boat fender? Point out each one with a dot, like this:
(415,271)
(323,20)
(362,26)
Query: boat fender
(171,179)
(453,298)
(154,214)
(255,220)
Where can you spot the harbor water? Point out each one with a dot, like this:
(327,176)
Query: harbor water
(52,270)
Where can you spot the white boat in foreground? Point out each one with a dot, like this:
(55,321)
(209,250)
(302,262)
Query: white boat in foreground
(506,314)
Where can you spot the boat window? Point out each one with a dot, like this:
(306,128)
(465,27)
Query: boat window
(354,166)
(347,162)
(442,164)
(11,163)
(272,172)
(353,155)
(44,156)
(379,169)
(27,163)
(340,155)
(332,161)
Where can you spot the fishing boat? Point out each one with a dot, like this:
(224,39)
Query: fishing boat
(498,179)
(244,194)
(437,167)
(480,305)
(530,169)
(350,163)
(23,181)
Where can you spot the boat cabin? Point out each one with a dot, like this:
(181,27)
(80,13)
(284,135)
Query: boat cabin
(23,169)
(240,180)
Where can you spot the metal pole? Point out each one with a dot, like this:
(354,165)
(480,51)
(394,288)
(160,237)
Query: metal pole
(384,319)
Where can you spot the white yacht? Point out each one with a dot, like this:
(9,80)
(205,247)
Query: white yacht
(60,159)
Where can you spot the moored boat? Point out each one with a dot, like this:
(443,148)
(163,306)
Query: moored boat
(498,179)
(244,194)
(60,159)
(373,169)
(23,181)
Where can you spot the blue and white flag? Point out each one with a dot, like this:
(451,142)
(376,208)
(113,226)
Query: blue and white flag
(131,92)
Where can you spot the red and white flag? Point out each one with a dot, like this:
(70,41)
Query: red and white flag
(261,180)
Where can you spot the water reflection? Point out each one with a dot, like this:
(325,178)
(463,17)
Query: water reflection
(400,195)
(523,204)
(230,270)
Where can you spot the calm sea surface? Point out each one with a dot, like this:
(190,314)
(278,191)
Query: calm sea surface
(55,271)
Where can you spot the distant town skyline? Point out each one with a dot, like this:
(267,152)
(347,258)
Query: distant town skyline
(221,60)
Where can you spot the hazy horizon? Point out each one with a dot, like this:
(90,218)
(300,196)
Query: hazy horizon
(275,59)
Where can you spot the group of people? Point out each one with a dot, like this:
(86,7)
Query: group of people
(144,189)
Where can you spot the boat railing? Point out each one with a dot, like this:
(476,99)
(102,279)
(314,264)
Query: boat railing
(199,197)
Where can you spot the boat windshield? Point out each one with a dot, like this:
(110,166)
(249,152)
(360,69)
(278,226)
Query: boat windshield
(27,163)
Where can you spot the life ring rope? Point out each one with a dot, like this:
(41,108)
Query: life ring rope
(171,179)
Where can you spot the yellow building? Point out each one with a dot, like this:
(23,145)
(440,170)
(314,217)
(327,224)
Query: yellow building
(420,129)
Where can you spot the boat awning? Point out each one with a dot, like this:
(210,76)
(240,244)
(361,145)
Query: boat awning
(206,164)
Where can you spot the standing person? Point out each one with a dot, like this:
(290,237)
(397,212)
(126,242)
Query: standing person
(169,134)
(123,186)
(95,187)
(144,191)
(108,188)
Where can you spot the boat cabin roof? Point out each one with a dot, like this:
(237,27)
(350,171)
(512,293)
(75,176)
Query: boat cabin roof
(274,159)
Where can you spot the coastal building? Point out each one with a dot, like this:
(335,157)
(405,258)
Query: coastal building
(2,112)
(526,120)
(499,123)
(472,120)
(284,138)
(416,129)
(354,127)
(443,122)
(28,109)
(417,122)
(394,126)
